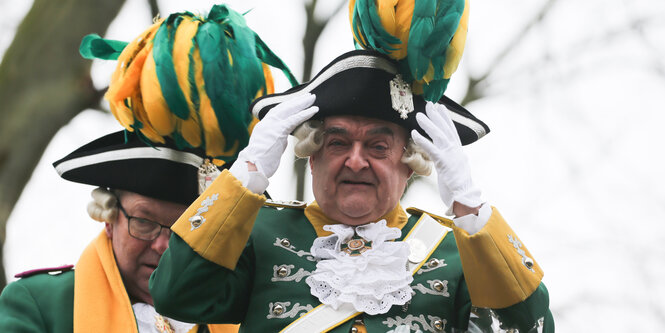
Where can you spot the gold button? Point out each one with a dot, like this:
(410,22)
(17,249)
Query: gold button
(285,242)
(196,220)
(282,271)
(528,262)
(438,285)
(438,325)
(278,310)
(433,263)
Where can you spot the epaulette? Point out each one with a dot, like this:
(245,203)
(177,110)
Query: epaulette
(285,204)
(50,270)
(445,221)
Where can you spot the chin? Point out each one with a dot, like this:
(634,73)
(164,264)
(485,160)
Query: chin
(357,214)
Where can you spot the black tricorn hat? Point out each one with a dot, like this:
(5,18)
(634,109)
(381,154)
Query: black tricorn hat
(367,83)
(122,160)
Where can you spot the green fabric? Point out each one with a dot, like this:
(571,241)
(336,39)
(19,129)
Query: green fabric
(95,47)
(189,288)
(366,23)
(39,303)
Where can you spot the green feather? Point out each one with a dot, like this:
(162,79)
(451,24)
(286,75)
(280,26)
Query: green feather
(422,25)
(266,55)
(165,70)
(435,89)
(95,47)
(366,23)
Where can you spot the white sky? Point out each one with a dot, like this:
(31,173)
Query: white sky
(573,161)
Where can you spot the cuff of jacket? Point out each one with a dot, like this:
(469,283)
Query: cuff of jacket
(498,268)
(218,224)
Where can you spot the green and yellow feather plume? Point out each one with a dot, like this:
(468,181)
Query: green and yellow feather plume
(191,78)
(426,37)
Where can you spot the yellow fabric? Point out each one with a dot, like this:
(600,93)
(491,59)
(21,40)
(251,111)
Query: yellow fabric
(396,218)
(98,290)
(493,268)
(101,303)
(456,47)
(228,222)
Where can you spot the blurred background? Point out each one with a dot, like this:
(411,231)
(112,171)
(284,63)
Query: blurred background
(573,91)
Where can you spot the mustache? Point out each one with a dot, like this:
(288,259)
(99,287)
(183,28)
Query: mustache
(350,177)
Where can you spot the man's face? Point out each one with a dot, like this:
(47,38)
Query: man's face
(137,258)
(357,176)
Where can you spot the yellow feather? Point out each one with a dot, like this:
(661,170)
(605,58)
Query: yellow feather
(157,110)
(456,47)
(429,75)
(182,45)
(358,39)
(122,114)
(386,9)
(270,85)
(253,123)
(128,83)
(403,16)
(130,60)
(140,114)
(190,129)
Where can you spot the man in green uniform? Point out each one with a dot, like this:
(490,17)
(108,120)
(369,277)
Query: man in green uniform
(353,260)
(141,191)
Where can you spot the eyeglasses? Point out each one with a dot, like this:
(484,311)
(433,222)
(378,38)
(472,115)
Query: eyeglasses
(141,228)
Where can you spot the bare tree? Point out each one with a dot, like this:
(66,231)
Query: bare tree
(44,83)
(313,29)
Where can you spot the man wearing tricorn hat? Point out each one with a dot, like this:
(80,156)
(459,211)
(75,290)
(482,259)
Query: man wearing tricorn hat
(353,260)
(181,128)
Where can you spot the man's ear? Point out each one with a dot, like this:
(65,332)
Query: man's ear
(311,163)
(108,227)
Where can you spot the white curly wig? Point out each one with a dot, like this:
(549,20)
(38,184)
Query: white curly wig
(104,205)
(309,137)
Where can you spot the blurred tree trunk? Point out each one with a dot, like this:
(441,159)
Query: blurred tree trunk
(313,29)
(44,83)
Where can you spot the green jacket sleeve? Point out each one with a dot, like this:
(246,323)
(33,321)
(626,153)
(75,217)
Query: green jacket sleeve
(187,287)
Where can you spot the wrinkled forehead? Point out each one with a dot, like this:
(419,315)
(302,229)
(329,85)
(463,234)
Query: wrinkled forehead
(358,127)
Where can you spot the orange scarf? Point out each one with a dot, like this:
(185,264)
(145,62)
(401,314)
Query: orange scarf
(101,303)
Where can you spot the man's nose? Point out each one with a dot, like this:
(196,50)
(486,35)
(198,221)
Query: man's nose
(356,159)
(161,243)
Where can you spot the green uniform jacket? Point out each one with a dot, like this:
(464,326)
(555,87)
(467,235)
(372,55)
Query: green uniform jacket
(38,303)
(267,290)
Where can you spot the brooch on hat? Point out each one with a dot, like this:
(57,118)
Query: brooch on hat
(207,174)
(401,96)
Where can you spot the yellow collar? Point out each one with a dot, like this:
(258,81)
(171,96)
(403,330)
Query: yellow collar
(396,218)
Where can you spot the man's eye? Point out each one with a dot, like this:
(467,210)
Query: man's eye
(336,143)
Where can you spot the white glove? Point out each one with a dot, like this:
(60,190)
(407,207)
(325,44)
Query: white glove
(269,137)
(445,150)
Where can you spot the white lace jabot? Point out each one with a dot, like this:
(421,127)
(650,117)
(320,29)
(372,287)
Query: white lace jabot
(148,320)
(361,266)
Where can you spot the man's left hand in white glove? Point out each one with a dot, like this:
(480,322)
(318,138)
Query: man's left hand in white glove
(445,149)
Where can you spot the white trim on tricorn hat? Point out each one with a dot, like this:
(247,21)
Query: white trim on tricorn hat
(124,161)
(358,83)
(127,154)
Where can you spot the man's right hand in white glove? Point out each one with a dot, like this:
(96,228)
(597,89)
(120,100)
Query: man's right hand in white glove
(269,139)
